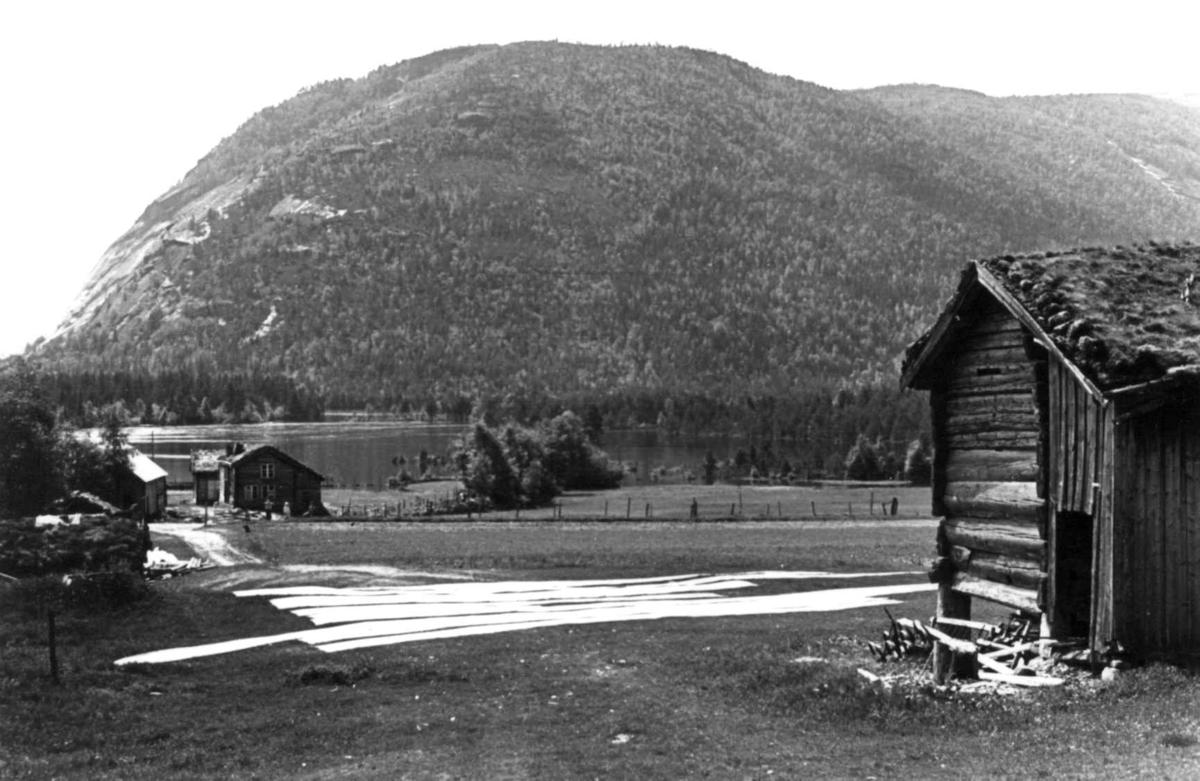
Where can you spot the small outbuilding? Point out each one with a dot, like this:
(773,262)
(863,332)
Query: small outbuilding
(1065,399)
(143,486)
(206,476)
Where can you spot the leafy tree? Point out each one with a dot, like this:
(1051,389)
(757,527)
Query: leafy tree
(918,466)
(31,446)
(710,468)
(488,471)
(863,462)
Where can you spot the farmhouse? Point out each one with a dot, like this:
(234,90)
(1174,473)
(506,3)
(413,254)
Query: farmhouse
(1065,396)
(259,478)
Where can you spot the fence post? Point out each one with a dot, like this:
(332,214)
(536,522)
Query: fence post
(53,647)
(872,503)
(605,508)
(628,507)
(814,509)
(849,510)
(895,504)
(732,510)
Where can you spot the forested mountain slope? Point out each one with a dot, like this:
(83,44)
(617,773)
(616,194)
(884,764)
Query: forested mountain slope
(573,219)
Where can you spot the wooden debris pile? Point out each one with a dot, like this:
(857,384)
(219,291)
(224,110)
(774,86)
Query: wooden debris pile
(907,638)
(1011,653)
(161,564)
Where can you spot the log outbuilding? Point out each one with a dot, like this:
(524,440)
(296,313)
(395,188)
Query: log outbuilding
(1065,400)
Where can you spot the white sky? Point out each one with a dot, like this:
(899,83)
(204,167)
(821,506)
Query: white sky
(108,104)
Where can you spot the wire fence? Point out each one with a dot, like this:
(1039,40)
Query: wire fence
(454,506)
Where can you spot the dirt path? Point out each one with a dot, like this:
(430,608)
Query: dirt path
(215,544)
(209,542)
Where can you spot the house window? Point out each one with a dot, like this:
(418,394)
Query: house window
(250,492)
(266,471)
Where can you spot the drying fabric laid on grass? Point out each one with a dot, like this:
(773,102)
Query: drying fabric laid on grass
(349,618)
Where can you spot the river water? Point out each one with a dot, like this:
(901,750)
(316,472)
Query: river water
(362,453)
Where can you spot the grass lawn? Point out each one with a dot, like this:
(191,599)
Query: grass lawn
(675,698)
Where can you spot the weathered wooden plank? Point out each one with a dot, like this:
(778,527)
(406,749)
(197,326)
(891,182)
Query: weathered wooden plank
(1023,423)
(991,465)
(1012,382)
(1192,499)
(1008,570)
(993,338)
(1020,403)
(998,324)
(993,500)
(992,440)
(1095,451)
(1125,458)
(941,446)
(1151,491)
(1016,540)
(1020,598)
(1173,595)
(1101,629)
(1071,419)
(950,604)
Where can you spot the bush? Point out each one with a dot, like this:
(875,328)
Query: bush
(89,593)
(331,675)
(93,545)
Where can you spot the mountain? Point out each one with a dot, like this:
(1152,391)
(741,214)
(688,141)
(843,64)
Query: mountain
(568,218)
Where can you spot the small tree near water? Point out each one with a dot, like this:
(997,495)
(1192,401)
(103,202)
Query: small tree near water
(918,467)
(864,461)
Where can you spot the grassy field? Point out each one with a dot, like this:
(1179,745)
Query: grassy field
(674,501)
(678,698)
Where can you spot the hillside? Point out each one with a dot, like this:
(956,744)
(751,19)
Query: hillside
(570,218)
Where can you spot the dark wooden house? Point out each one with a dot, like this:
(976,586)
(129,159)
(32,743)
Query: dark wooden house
(1065,397)
(266,478)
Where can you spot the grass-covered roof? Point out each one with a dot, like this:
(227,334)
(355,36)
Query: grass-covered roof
(1123,315)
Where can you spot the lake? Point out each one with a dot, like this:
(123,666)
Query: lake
(361,453)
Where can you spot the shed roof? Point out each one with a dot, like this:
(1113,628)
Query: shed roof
(1124,315)
(144,468)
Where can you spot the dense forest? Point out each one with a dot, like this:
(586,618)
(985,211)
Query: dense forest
(600,226)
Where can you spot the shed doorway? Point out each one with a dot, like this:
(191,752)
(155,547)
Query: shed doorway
(1073,573)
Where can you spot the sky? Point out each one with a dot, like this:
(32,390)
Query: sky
(109,104)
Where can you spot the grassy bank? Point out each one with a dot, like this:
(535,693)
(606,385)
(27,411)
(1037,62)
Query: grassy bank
(676,698)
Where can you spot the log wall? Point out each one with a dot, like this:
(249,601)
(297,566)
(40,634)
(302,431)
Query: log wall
(989,436)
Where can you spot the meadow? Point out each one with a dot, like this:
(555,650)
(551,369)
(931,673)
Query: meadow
(774,696)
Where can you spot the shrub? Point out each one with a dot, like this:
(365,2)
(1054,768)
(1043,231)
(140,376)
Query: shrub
(331,675)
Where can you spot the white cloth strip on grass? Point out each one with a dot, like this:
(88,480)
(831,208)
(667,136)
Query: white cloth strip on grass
(813,601)
(483,585)
(344,615)
(349,613)
(589,593)
(516,616)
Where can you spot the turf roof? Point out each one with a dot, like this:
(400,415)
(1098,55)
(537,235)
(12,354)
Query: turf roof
(1120,314)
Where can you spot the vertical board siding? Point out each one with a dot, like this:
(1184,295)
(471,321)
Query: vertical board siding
(1156,549)
(1101,630)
